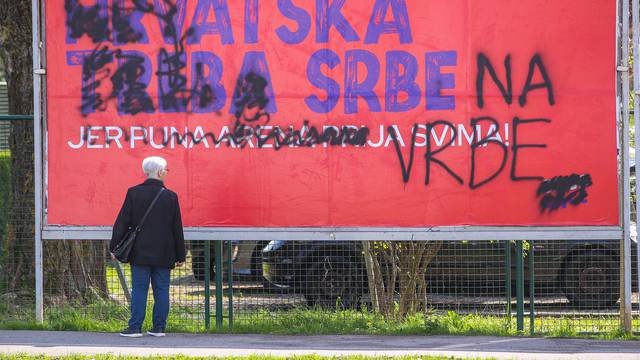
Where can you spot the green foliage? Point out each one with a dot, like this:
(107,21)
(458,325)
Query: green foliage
(109,316)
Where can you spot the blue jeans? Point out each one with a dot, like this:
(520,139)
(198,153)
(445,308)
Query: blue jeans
(140,277)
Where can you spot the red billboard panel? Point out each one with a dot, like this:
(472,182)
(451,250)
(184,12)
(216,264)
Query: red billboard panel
(403,113)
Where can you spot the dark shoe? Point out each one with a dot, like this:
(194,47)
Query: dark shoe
(156,331)
(128,332)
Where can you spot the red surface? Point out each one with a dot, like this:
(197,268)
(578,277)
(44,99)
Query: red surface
(347,186)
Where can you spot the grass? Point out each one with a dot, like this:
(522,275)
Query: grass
(253,357)
(111,317)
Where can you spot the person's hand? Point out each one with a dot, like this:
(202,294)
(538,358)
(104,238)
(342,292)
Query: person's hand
(112,256)
(179,263)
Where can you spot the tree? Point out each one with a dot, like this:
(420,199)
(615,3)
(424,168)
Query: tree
(15,51)
(397,270)
(73,269)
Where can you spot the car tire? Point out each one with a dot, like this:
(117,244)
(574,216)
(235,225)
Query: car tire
(591,279)
(333,281)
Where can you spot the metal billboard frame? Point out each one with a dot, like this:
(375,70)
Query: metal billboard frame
(622,231)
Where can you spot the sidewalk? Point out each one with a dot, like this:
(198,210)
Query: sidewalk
(60,343)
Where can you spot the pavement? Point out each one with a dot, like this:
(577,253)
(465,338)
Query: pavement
(58,343)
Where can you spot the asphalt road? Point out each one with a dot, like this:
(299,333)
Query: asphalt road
(61,343)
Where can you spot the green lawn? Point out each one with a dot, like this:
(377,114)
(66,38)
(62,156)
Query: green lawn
(112,317)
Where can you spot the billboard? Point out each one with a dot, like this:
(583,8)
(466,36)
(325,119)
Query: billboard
(335,113)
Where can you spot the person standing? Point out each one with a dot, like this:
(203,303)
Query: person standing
(158,247)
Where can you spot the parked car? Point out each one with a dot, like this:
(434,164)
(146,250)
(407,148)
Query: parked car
(246,258)
(327,273)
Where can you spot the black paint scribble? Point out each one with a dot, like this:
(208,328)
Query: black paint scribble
(172,82)
(563,190)
(127,84)
(93,73)
(249,94)
(125,32)
(201,90)
(91,21)
(242,134)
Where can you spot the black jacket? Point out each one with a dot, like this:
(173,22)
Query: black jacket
(161,240)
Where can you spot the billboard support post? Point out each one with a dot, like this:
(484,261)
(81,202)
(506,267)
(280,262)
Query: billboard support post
(636,107)
(38,73)
(625,259)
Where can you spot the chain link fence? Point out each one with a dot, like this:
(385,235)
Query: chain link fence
(16,221)
(574,286)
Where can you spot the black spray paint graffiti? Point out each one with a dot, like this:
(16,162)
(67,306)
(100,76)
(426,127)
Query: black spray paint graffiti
(250,94)
(83,20)
(431,152)
(563,190)
(242,135)
(555,193)
(130,80)
(484,65)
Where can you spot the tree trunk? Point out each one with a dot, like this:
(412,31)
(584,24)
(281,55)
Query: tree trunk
(72,269)
(77,274)
(15,43)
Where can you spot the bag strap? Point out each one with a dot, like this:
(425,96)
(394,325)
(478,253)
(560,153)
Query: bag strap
(149,210)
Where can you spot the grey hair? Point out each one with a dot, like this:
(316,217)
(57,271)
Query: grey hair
(153,165)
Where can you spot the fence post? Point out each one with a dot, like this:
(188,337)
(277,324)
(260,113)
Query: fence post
(507,277)
(532,287)
(519,287)
(207,284)
(230,281)
(219,293)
